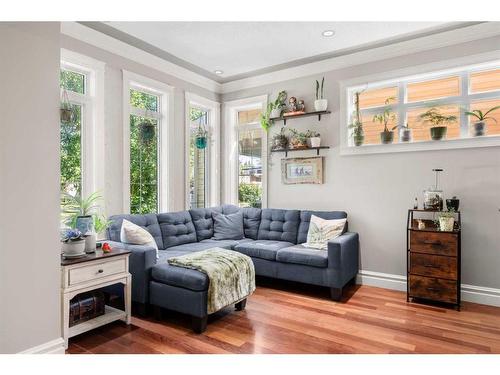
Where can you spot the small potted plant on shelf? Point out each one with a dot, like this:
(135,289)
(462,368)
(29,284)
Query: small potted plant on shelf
(438,122)
(280,140)
(73,243)
(446,220)
(320,104)
(356,125)
(480,124)
(313,138)
(405,133)
(298,139)
(386,136)
(279,105)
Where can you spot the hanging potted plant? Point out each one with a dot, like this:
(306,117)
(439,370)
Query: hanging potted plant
(279,105)
(147,131)
(201,137)
(439,122)
(320,104)
(480,124)
(66,112)
(356,125)
(280,140)
(386,136)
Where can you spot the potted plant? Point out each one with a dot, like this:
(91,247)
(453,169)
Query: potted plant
(279,104)
(66,111)
(101,223)
(298,139)
(77,211)
(386,136)
(147,131)
(280,140)
(320,104)
(356,125)
(480,124)
(201,137)
(265,117)
(313,138)
(73,243)
(405,133)
(446,221)
(439,122)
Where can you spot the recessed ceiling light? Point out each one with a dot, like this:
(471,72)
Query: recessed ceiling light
(328,33)
(218,72)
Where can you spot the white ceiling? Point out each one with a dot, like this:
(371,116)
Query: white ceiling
(244,48)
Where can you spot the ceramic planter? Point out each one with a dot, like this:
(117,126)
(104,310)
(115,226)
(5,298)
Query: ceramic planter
(201,142)
(148,132)
(479,128)
(405,135)
(446,224)
(386,137)
(315,141)
(276,112)
(73,248)
(321,105)
(438,132)
(66,115)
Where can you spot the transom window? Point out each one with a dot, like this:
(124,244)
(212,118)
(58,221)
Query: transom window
(451,92)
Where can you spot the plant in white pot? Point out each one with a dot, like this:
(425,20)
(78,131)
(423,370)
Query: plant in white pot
(446,220)
(314,138)
(279,105)
(480,117)
(73,243)
(320,104)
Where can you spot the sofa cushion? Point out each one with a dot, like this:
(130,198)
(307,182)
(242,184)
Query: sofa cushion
(264,249)
(279,225)
(176,228)
(251,218)
(305,218)
(199,246)
(203,222)
(178,276)
(299,254)
(223,243)
(228,227)
(148,222)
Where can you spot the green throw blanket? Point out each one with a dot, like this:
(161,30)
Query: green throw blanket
(231,275)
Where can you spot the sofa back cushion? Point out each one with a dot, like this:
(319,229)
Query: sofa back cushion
(251,218)
(177,228)
(203,222)
(148,222)
(305,219)
(279,225)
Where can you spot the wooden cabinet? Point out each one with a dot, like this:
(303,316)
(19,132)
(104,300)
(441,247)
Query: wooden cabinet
(433,260)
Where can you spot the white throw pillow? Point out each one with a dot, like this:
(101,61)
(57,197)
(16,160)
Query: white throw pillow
(135,235)
(321,231)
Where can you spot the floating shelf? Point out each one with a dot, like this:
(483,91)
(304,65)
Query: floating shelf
(307,114)
(287,150)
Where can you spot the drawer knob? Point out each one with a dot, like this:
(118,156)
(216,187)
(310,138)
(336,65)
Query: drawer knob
(433,243)
(430,266)
(432,289)
(100,271)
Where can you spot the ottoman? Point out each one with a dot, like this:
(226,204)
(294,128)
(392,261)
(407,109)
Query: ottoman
(186,290)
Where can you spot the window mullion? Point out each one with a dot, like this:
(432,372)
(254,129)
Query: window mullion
(401,108)
(464,120)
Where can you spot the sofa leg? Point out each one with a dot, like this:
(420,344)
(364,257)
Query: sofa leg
(336,294)
(241,305)
(199,324)
(157,312)
(140,309)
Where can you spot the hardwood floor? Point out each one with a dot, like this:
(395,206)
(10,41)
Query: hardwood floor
(293,318)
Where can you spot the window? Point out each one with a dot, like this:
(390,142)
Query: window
(249,165)
(145,147)
(81,81)
(451,92)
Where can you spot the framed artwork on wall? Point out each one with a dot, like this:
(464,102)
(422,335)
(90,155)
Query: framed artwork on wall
(302,170)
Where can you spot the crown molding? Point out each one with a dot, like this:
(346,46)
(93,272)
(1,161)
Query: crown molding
(110,44)
(438,40)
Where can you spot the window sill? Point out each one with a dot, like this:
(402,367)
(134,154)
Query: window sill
(450,144)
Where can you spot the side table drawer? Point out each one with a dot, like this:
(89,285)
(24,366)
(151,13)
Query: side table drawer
(433,265)
(96,271)
(433,289)
(433,243)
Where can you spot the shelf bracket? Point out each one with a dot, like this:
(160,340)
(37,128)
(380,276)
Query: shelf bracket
(319,117)
(284,121)
(286,154)
(317,152)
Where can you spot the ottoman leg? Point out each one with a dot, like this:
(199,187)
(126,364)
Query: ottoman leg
(241,305)
(199,324)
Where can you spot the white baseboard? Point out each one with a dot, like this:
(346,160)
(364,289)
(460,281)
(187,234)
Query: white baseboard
(52,347)
(470,293)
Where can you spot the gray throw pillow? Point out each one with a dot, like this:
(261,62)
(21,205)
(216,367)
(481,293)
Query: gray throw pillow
(228,227)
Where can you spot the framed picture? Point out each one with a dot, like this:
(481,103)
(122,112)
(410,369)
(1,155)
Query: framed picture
(302,170)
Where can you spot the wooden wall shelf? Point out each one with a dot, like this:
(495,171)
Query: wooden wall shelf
(307,114)
(287,150)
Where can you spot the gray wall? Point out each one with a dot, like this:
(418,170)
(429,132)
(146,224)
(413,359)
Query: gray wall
(113,121)
(29,185)
(377,190)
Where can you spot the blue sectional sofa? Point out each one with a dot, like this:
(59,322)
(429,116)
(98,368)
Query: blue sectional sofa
(273,239)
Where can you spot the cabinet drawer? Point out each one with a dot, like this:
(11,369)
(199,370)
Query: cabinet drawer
(433,289)
(433,243)
(96,271)
(433,265)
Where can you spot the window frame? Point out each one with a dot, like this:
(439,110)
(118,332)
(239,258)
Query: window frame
(460,67)
(213,147)
(92,128)
(231,109)
(164,115)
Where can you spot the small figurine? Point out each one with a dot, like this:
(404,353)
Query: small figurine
(301,107)
(292,104)
(421,224)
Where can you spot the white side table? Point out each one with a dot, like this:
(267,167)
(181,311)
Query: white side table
(91,272)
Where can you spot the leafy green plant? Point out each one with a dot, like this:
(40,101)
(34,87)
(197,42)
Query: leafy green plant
(480,116)
(101,223)
(278,103)
(312,134)
(356,124)
(298,139)
(319,92)
(74,206)
(250,194)
(386,116)
(436,118)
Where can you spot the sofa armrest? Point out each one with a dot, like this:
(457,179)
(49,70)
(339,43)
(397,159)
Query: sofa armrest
(343,255)
(142,259)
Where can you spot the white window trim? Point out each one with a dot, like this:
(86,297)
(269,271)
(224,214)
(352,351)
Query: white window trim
(166,117)
(426,71)
(213,148)
(231,110)
(92,132)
